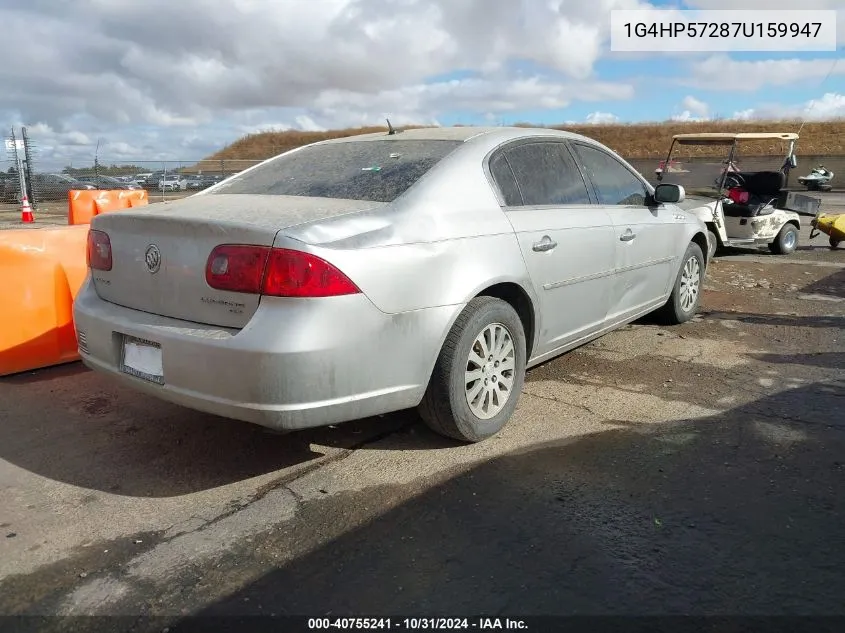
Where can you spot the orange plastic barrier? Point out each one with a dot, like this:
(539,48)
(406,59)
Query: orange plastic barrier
(83,205)
(41,270)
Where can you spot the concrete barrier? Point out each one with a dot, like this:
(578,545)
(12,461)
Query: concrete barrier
(83,205)
(41,270)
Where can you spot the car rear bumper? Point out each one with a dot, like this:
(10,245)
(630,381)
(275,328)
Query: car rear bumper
(298,363)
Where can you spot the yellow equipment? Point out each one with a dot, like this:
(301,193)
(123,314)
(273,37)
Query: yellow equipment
(831,225)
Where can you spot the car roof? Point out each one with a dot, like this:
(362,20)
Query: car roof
(736,136)
(491,136)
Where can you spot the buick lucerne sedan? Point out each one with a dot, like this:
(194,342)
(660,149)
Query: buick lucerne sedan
(358,276)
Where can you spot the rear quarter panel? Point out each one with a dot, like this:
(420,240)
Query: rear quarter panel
(440,244)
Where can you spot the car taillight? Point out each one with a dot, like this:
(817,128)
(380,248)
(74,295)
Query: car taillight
(276,272)
(99,250)
(237,268)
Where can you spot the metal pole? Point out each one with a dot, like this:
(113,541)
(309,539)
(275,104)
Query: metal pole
(19,163)
(29,167)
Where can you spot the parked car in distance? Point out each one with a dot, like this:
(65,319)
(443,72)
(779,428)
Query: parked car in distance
(196,182)
(44,187)
(152,180)
(172,182)
(427,268)
(109,182)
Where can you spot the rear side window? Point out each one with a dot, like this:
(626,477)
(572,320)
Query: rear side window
(377,171)
(547,174)
(614,183)
(505,180)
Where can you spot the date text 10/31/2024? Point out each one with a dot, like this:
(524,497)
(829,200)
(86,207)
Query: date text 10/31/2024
(417,623)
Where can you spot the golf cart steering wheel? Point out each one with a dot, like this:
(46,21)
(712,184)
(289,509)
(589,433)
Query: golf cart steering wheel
(734,179)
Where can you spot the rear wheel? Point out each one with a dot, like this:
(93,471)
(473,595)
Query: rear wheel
(479,374)
(786,242)
(686,294)
(833,242)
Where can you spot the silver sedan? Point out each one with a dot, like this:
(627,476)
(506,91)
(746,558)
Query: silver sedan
(358,276)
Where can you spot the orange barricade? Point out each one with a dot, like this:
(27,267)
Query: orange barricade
(83,205)
(41,270)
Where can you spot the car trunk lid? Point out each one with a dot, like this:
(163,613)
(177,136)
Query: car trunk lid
(160,251)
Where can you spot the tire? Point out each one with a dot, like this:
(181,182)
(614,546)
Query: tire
(686,293)
(786,242)
(445,407)
(833,243)
(712,244)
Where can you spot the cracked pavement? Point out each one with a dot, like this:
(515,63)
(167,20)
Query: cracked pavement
(694,469)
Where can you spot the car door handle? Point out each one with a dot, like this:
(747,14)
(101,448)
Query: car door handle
(546,244)
(627,236)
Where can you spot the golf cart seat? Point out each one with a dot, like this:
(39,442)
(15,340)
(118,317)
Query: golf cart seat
(762,187)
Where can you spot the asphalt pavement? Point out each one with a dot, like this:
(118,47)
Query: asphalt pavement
(697,469)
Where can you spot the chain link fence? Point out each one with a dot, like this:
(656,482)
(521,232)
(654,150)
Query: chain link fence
(164,180)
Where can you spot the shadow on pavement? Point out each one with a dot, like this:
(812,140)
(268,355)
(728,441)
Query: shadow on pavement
(833,285)
(778,319)
(829,360)
(77,428)
(740,513)
(67,370)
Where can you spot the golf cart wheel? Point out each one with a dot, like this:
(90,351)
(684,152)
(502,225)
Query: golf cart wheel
(712,244)
(786,242)
(833,243)
(479,374)
(686,293)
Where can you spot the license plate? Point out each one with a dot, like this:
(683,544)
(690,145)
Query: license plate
(142,359)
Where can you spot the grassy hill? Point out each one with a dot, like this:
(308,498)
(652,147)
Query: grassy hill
(647,140)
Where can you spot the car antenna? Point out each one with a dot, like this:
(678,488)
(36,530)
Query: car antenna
(390,129)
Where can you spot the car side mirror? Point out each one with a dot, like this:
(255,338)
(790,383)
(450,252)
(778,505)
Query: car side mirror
(669,193)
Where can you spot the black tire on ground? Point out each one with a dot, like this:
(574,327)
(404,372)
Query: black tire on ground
(786,242)
(445,407)
(833,242)
(712,244)
(681,307)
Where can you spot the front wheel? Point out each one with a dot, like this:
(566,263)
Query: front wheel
(786,242)
(833,243)
(479,374)
(686,294)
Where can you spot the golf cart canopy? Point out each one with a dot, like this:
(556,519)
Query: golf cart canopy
(728,138)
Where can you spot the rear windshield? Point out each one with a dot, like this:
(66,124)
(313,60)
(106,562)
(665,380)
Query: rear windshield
(377,171)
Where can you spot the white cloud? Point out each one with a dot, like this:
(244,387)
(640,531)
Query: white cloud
(743,115)
(696,107)
(686,117)
(829,106)
(183,64)
(693,110)
(254,64)
(602,118)
(307,124)
(721,72)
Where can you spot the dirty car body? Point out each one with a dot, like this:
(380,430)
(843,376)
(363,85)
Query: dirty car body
(336,281)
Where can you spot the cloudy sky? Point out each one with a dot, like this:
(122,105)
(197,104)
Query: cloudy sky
(165,79)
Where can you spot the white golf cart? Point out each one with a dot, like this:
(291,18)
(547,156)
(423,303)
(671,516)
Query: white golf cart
(740,208)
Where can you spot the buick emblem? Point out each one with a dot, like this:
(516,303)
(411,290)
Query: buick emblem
(152,258)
